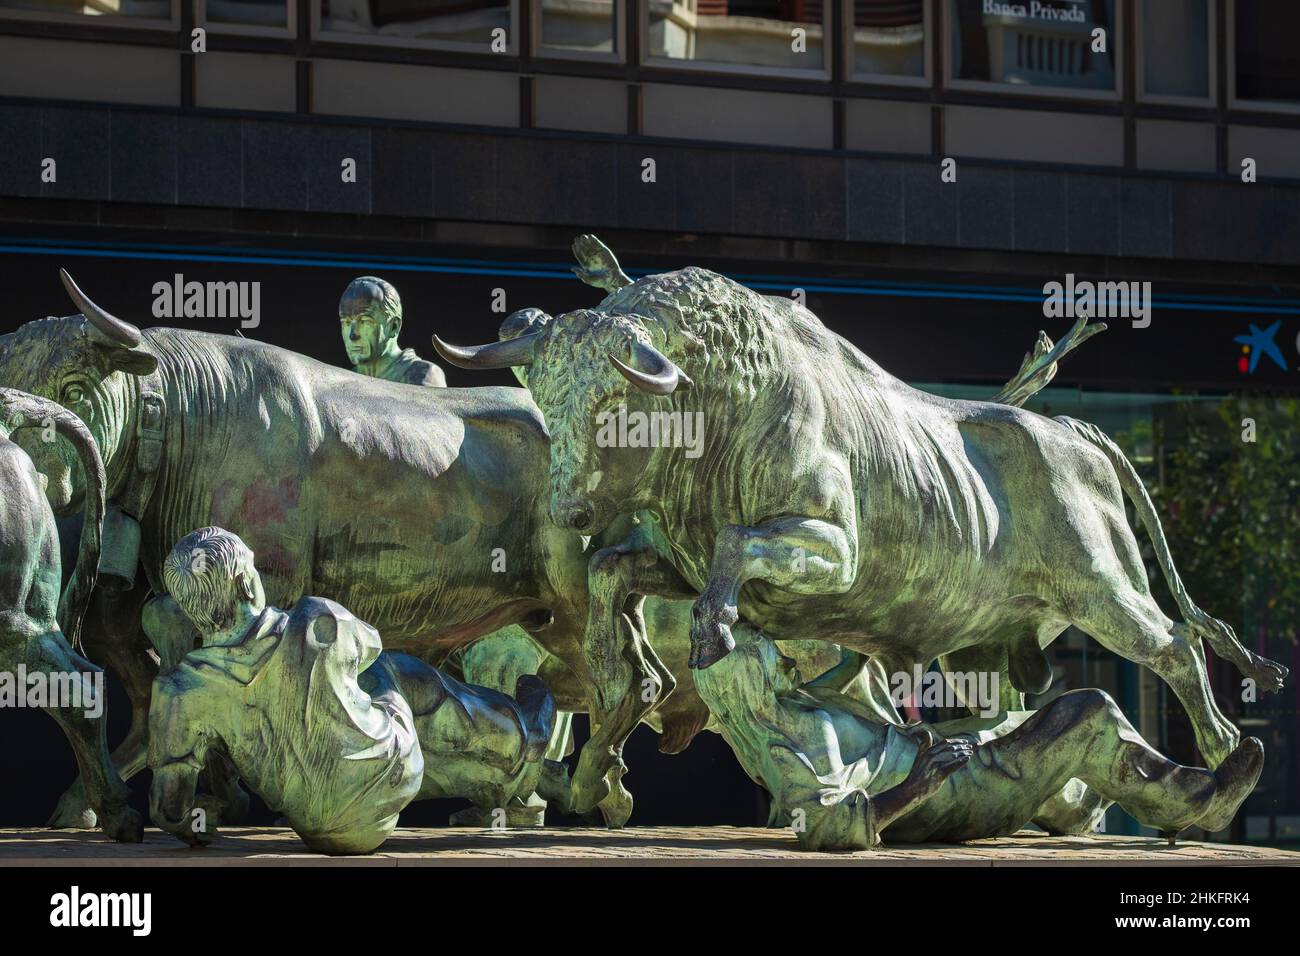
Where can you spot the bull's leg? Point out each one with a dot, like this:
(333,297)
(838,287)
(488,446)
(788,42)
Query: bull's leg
(107,794)
(599,775)
(628,679)
(118,641)
(1131,625)
(615,575)
(802,555)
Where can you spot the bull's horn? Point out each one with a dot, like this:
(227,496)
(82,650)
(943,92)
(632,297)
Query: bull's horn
(117,331)
(654,372)
(507,354)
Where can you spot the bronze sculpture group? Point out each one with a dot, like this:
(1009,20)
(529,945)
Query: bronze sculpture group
(462,568)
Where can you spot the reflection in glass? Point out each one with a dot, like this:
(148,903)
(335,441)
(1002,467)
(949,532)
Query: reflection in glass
(152,9)
(586,26)
(776,33)
(1046,44)
(889,37)
(461,21)
(1266,63)
(257,13)
(1176,48)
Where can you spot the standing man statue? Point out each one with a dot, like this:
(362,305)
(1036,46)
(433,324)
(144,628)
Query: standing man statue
(370,316)
(370,313)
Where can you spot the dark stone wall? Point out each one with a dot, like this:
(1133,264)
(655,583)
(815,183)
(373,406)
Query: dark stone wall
(197,159)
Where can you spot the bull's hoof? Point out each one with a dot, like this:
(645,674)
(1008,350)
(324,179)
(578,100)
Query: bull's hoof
(711,647)
(124,826)
(1234,780)
(617,807)
(72,813)
(711,638)
(590,786)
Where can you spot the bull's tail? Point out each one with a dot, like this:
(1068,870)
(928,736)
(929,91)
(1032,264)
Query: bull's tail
(1218,633)
(20,410)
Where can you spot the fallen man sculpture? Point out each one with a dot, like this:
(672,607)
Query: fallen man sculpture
(840,776)
(329,730)
(38,629)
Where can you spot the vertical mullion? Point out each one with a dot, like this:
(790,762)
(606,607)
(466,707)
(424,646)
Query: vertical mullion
(1127,75)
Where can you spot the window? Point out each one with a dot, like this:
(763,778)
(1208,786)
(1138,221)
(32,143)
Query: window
(482,24)
(1046,44)
(1266,67)
(780,34)
(578,27)
(888,38)
(267,17)
(1175,49)
(106,12)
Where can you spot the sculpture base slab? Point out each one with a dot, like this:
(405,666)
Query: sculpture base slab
(245,846)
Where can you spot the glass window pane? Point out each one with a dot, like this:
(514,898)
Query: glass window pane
(777,33)
(462,21)
(1045,43)
(889,37)
(1268,67)
(1176,48)
(586,26)
(253,13)
(151,9)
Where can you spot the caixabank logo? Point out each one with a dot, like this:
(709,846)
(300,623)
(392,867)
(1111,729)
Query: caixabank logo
(1259,343)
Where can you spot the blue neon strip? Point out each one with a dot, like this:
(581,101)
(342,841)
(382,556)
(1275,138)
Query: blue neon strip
(883,287)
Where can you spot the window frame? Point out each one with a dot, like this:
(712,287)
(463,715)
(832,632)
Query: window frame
(1173,99)
(113,21)
(851,75)
(542,51)
(1234,103)
(1115,96)
(820,74)
(248,29)
(321,35)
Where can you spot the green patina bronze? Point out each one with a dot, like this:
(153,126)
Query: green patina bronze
(370,319)
(829,498)
(329,730)
(370,316)
(395,500)
(38,628)
(840,776)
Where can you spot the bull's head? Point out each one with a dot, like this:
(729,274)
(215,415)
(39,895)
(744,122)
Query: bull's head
(85,363)
(582,367)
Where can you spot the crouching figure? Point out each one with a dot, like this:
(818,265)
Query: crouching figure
(329,730)
(840,774)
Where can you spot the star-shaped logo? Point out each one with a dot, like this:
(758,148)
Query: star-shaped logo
(1259,342)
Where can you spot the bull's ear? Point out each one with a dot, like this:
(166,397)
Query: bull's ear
(131,361)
